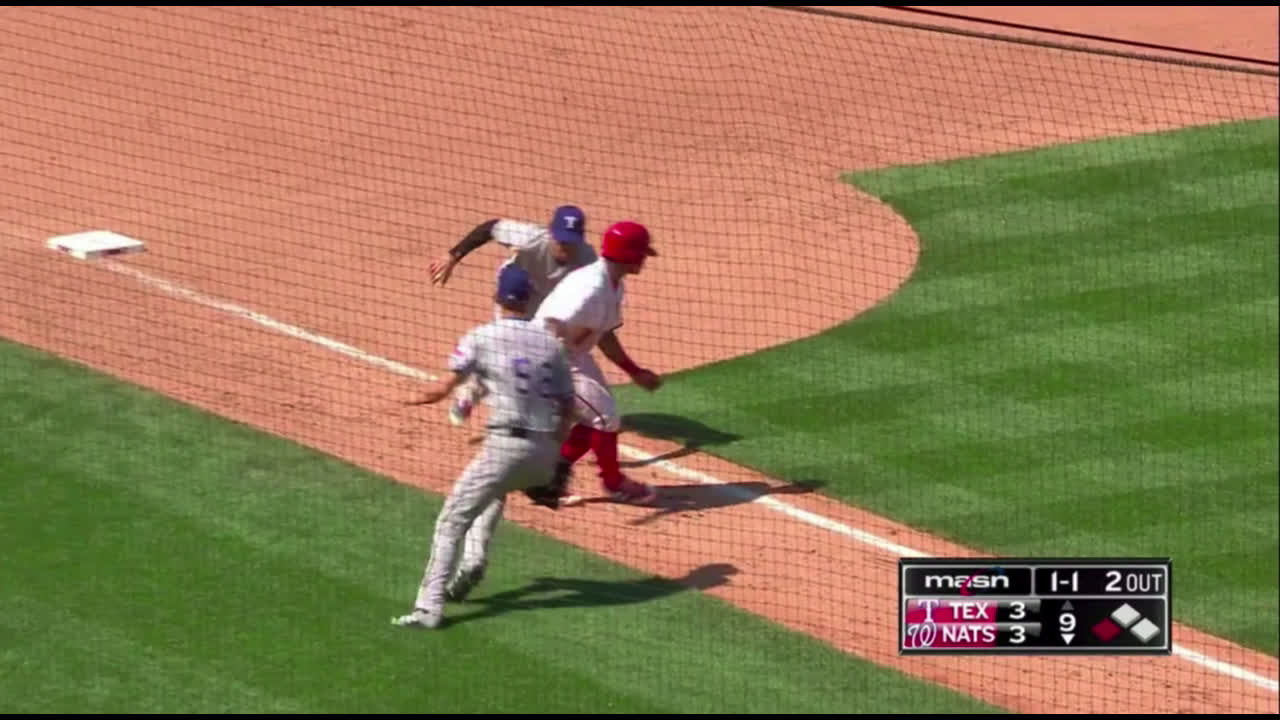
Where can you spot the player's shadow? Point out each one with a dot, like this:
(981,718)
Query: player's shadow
(549,593)
(673,499)
(690,434)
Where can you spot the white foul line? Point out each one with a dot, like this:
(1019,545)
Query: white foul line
(1226,668)
(265,321)
(773,503)
(635,453)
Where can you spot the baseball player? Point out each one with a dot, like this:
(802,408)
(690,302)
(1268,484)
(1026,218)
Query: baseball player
(531,401)
(585,311)
(547,254)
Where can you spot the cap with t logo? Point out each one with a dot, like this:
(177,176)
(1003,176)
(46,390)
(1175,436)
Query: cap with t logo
(568,225)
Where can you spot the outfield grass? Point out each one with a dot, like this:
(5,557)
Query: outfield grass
(158,559)
(1084,363)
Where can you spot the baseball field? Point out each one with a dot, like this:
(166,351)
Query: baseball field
(921,291)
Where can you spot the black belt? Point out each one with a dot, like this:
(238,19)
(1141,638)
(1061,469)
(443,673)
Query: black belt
(514,432)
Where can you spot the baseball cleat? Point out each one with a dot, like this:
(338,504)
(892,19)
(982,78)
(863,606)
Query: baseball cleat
(633,493)
(419,618)
(555,494)
(463,583)
(544,495)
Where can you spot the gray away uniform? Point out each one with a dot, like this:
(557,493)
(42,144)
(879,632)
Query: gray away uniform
(527,372)
(530,246)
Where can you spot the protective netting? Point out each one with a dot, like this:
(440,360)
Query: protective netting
(294,171)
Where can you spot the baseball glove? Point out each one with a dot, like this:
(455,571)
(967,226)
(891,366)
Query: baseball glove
(545,495)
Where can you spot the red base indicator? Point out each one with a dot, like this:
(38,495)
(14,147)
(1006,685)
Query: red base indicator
(1112,606)
(1106,630)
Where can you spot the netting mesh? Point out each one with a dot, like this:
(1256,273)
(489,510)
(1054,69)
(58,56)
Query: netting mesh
(293,171)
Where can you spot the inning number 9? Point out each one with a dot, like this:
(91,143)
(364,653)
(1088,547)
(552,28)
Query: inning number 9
(524,378)
(1067,622)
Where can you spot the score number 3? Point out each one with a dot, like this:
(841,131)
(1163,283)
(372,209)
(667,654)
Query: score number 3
(524,378)
(1019,632)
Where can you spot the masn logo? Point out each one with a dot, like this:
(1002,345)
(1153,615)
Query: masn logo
(966,582)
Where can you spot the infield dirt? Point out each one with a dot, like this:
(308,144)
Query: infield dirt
(309,164)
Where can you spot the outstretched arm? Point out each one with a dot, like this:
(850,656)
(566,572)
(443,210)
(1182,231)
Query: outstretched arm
(462,363)
(611,346)
(443,267)
(440,389)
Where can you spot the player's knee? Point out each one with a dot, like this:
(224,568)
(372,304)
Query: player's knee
(458,514)
(455,526)
(593,418)
(609,419)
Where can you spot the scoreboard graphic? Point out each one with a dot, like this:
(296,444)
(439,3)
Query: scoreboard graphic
(1100,606)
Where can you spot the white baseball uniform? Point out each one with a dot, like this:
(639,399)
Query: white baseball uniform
(588,298)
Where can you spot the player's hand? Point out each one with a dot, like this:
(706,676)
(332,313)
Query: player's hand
(442,268)
(647,379)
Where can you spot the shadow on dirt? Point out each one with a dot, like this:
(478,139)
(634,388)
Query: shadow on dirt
(675,499)
(547,593)
(692,434)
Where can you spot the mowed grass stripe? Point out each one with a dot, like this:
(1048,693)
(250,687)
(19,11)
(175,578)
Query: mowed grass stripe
(1066,298)
(148,544)
(979,252)
(1076,309)
(1243,147)
(1154,471)
(200,596)
(1109,388)
(46,667)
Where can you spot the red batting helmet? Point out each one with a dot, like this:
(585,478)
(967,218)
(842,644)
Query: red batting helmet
(626,242)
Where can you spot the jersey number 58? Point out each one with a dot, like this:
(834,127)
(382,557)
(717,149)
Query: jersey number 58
(524,377)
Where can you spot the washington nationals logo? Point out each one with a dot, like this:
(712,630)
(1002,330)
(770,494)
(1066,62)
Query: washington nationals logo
(921,635)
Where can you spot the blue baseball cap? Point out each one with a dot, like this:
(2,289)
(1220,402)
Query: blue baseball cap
(513,285)
(568,225)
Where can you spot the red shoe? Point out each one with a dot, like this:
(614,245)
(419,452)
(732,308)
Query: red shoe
(633,493)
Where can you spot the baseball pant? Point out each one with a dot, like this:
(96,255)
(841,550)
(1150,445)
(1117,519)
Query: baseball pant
(474,507)
(598,422)
(593,402)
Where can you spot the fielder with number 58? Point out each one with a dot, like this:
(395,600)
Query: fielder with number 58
(531,401)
